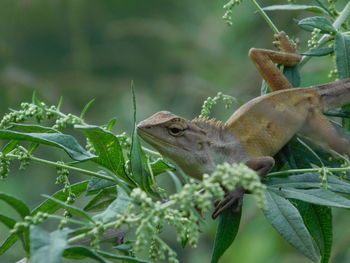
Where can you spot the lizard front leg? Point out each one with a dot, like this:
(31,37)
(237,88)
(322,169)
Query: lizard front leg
(264,60)
(234,200)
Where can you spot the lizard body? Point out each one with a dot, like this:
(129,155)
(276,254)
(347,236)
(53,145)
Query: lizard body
(257,130)
(261,127)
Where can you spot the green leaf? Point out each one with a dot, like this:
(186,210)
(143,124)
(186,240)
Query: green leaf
(110,124)
(315,196)
(33,128)
(102,200)
(49,206)
(9,147)
(286,219)
(8,243)
(311,8)
(338,113)
(115,208)
(122,258)
(318,52)
(159,166)
(45,245)
(138,161)
(299,156)
(7,221)
(71,209)
(342,58)
(78,252)
(342,55)
(16,204)
(66,142)
(320,22)
(293,75)
(87,106)
(318,220)
(108,149)
(309,180)
(226,233)
(96,184)
(264,89)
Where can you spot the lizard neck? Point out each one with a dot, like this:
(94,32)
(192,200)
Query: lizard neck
(224,146)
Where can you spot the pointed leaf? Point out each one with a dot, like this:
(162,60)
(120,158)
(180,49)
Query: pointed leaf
(318,220)
(9,147)
(50,206)
(71,209)
(293,75)
(108,149)
(286,219)
(309,180)
(7,221)
(16,204)
(110,124)
(66,142)
(138,159)
(315,196)
(87,106)
(311,8)
(115,208)
(318,52)
(8,243)
(226,233)
(342,55)
(320,22)
(96,184)
(83,252)
(122,258)
(45,245)
(24,127)
(159,166)
(102,200)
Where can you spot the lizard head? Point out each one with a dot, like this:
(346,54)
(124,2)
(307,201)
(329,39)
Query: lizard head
(179,140)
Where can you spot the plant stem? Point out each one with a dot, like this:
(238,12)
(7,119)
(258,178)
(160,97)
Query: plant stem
(72,168)
(344,14)
(265,16)
(68,219)
(310,170)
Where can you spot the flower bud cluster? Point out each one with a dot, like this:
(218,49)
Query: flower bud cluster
(231,175)
(66,120)
(315,36)
(124,140)
(227,17)
(23,156)
(29,220)
(4,166)
(89,146)
(210,102)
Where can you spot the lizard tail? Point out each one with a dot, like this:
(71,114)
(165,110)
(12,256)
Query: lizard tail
(335,94)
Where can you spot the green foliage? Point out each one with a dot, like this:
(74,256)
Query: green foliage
(226,233)
(296,198)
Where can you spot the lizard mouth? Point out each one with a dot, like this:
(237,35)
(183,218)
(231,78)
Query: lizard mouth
(153,140)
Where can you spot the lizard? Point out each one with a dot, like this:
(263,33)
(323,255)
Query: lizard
(257,130)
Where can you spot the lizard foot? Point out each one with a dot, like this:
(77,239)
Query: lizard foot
(232,201)
(283,43)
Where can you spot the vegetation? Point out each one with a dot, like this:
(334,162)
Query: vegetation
(122,179)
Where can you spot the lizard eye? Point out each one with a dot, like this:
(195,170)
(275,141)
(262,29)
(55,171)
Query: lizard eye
(175,131)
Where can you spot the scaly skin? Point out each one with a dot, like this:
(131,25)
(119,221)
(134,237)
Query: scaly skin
(257,130)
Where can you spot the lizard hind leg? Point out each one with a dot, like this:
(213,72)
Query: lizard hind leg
(321,130)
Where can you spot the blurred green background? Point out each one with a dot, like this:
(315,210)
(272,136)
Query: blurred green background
(177,53)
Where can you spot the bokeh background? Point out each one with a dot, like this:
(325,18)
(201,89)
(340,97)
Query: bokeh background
(177,53)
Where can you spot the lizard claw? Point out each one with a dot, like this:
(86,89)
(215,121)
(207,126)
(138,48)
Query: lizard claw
(283,43)
(233,201)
